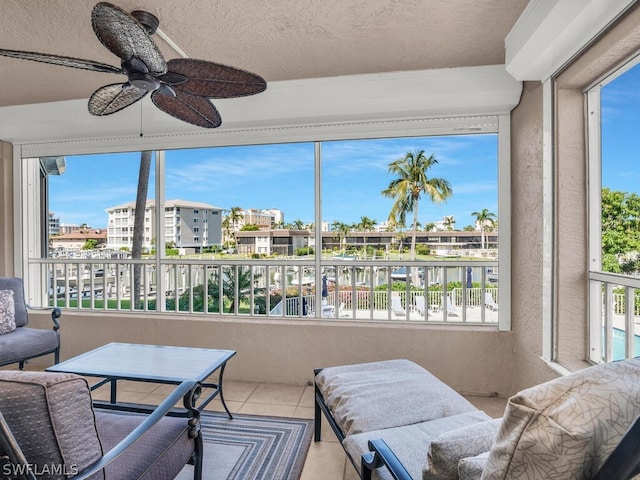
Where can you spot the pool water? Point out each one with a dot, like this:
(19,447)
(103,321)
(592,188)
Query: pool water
(618,344)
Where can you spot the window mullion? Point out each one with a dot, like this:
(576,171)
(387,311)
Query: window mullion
(594,205)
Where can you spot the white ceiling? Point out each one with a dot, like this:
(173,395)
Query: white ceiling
(278,39)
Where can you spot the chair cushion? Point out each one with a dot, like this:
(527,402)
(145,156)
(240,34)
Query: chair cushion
(404,393)
(409,442)
(566,428)
(25,342)
(51,416)
(161,453)
(7,312)
(446,451)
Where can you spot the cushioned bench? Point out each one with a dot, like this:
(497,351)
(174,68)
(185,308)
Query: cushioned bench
(396,420)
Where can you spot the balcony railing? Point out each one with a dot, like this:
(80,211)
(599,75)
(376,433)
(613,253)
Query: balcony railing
(447,291)
(615,316)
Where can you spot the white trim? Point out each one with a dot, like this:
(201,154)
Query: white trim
(258,136)
(551,32)
(160,221)
(556,367)
(18,231)
(504,220)
(358,106)
(594,228)
(548,244)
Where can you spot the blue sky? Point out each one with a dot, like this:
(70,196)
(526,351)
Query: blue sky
(281,176)
(621,132)
(354,172)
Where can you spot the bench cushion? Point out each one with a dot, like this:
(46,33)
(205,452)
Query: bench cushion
(566,428)
(410,442)
(404,393)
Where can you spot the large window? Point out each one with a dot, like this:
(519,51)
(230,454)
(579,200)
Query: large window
(614,175)
(285,229)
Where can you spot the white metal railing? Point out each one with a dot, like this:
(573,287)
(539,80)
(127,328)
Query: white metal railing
(614,316)
(356,289)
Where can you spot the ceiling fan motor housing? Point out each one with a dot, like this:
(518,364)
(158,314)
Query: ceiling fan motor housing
(148,20)
(143,81)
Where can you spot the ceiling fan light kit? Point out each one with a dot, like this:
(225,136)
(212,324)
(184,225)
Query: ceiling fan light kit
(180,87)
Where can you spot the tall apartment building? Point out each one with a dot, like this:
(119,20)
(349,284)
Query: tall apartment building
(54,224)
(191,225)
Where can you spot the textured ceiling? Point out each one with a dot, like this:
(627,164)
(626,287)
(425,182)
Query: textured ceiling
(278,39)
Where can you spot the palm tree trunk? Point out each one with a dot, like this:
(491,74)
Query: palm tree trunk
(138,223)
(414,271)
(413,233)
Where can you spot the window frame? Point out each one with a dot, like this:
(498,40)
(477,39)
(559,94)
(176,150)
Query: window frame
(600,318)
(499,124)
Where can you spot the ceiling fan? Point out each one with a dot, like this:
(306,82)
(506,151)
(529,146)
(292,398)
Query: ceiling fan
(180,87)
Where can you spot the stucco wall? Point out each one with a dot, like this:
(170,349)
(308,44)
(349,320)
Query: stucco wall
(471,360)
(527,239)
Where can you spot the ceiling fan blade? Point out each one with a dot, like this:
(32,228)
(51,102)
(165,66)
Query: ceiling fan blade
(188,108)
(60,60)
(214,80)
(124,36)
(113,98)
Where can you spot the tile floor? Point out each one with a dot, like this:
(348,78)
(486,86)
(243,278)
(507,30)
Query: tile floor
(326,459)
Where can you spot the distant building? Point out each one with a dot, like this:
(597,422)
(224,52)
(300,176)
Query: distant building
(264,218)
(54,224)
(71,227)
(188,225)
(285,242)
(281,242)
(447,223)
(77,239)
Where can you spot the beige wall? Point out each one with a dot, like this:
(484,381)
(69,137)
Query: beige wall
(473,360)
(527,237)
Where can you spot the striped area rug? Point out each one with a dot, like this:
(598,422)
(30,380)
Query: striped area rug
(252,447)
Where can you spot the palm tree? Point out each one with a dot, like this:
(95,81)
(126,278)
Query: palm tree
(449,222)
(483,218)
(235,215)
(227,227)
(138,222)
(342,232)
(411,182)
(366,225)
(298,224)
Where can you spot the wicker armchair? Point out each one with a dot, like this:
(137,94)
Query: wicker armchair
(24,342)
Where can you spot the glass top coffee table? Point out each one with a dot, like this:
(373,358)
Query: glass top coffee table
(151,363)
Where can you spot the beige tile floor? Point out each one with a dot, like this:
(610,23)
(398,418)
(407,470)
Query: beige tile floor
(325,461)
